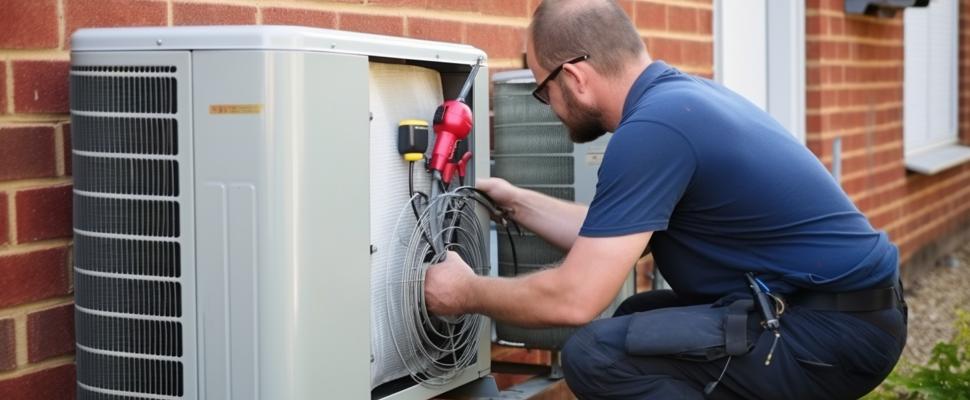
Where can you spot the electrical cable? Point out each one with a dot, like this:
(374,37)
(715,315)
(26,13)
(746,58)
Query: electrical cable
(500,217)
(435,349)
(411,192)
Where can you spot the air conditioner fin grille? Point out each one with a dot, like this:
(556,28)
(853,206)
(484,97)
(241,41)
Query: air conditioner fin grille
(127,176)
(126,216)
(128,296)
(127,256)
(130,374)
(131,135)
(126,335)
(126,92)
(128,244)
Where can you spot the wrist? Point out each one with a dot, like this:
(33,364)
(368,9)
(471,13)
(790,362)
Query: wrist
(518,202)
(470,300)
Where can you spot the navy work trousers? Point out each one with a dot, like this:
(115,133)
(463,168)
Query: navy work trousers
(821,355)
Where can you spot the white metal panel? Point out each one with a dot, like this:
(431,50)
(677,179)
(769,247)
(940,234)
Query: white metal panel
(271,37)
(786,64)
(741,48)
(930,76)
(397,92)
(937,159)
(759,52)
(287,318)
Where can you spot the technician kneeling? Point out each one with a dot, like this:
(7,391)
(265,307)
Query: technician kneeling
(782,288)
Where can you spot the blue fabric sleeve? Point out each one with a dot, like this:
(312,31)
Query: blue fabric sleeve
(645,172)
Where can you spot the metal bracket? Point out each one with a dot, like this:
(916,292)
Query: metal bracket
(881,8)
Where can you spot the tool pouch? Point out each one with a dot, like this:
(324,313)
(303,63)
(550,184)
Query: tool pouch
(700,333)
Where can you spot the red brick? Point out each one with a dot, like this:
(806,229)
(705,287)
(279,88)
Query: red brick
(28,24)
(813,51)
(836,26)
(666,49)
(628,7)
(705,22)
(50,333)
(497,41)
(456,5)
(651,16)
(40,86)
(532,5)
(105,13)
(33,276)
(52,383)
(383,25)
(816,25)
(212,14)
(401,3)
(66,139)
(431,29)
(682,19)
(8,345)
(27,152)
(4,220)
(44,213)
(296,16)
(3,88)
(510,8)
(698,53)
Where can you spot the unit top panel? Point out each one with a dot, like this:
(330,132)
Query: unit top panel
(271,37)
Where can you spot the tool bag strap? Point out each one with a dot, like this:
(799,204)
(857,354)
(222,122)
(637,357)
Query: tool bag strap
(736,327)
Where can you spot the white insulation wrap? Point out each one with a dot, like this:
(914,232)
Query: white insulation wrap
(397,92)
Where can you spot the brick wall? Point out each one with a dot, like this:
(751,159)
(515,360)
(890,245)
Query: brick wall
(36,313)
(36,321)
(855,92)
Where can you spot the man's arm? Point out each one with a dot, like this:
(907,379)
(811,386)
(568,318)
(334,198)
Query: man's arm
(572,294)
(554,220)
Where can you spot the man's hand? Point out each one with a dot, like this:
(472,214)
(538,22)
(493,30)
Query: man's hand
(500,190)
(446,286)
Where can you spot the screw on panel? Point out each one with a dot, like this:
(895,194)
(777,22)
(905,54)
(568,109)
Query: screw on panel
(158,42)
(373,249)
(371,358)
(333,45)
(371,116)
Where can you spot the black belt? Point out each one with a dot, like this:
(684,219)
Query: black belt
(860,304)
(859,301)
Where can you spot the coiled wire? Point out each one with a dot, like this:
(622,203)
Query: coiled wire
(435,349)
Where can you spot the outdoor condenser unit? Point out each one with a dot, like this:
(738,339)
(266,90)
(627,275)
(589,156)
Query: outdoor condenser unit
(237,192)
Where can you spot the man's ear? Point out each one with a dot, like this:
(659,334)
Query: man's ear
(579,73)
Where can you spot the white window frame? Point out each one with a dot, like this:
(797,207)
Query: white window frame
(931,88)
(765,62)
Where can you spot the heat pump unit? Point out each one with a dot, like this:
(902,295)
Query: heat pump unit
(239,208)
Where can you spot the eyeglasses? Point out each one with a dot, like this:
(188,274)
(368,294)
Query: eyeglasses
(541,92)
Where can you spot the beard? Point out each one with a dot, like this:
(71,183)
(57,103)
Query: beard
(584,123)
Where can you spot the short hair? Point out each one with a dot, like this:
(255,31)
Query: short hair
(565,29)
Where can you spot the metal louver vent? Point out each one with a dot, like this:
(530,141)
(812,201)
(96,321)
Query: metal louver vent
(127,260)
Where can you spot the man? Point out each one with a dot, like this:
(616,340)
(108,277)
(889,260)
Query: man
(717,189)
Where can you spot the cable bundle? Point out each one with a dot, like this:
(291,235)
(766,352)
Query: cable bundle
(435,349)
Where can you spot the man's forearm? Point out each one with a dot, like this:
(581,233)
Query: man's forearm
(557,221)
(529,301)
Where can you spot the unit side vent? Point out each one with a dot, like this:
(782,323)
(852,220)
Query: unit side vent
(127,254)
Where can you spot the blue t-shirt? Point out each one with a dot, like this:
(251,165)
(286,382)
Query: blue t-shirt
(727,190)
